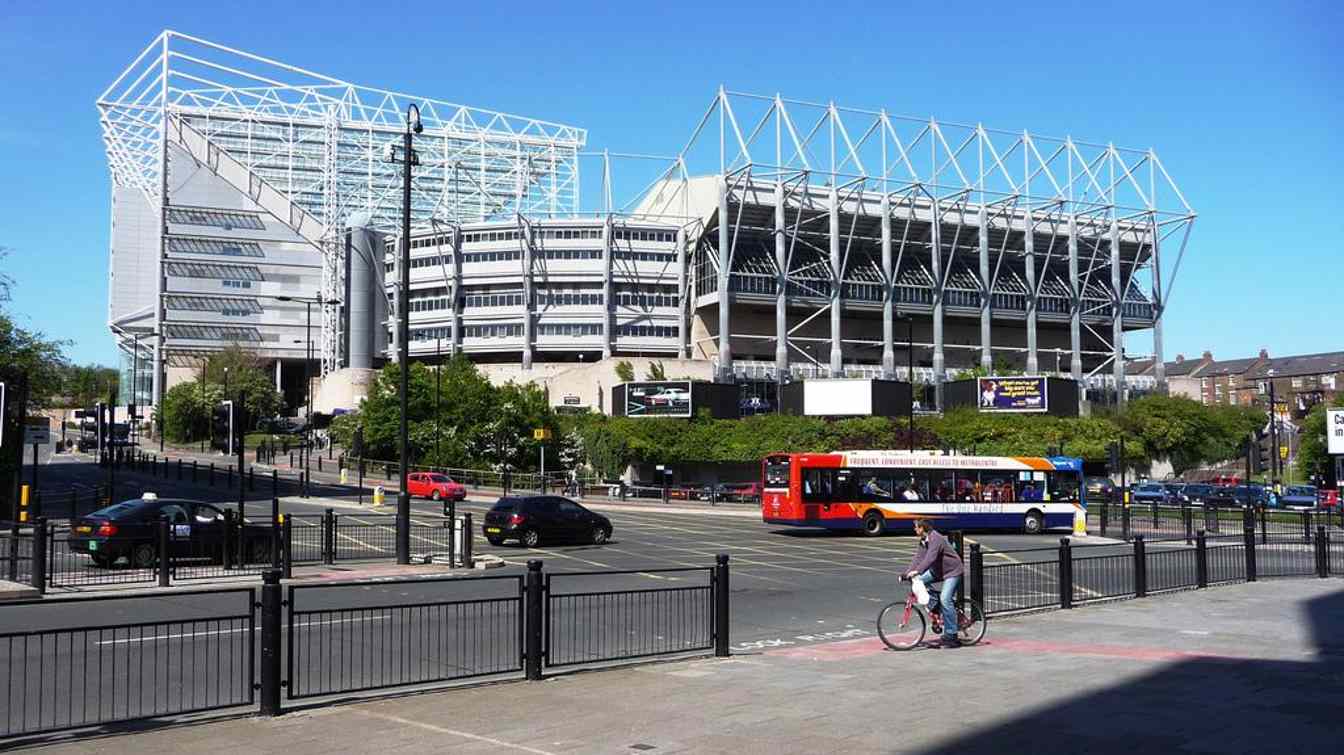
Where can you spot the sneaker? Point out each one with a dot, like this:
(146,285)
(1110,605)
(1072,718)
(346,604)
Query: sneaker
(950,642)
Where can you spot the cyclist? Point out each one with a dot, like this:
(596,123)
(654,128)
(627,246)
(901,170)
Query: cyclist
(937,561)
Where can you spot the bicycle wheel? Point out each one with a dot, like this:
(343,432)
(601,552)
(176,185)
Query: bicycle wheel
(972,629)
(898,632)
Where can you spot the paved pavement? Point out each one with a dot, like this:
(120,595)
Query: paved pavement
(1243,668)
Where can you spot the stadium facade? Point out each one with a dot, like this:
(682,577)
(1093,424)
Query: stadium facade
(786,239)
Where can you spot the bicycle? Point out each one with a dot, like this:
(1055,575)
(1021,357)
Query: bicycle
(902,624)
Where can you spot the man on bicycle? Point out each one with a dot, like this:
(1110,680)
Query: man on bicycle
(937,561)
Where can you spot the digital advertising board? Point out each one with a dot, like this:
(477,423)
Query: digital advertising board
(1012,394)
(670,398)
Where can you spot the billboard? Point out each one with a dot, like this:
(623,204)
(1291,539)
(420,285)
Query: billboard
(1012,394)
(670,398)
(1334,431)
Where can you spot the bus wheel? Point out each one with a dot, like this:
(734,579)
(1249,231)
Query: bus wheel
(874,524)
(1034,523)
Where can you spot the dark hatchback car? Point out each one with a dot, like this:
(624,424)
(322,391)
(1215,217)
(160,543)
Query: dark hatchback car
(1196,492)
(1238,495)
(536,518)
(130,530)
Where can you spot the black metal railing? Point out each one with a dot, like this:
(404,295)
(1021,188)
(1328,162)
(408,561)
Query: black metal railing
(67,567)
(63,677)
(337,645)
(587,624)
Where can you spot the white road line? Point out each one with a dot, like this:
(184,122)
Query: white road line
(301,624)
(452,732)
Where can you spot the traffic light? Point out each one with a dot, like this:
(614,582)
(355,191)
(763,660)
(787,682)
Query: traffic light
(357,444)
(1114,450)
(220,422)
(1262,460)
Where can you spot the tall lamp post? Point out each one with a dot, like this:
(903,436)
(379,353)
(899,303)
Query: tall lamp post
(438,382)
(408,161)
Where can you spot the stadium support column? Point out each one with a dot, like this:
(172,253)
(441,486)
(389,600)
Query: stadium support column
(781,289)
(1117,313)
(455,306)
(888,297)
(1159,367)
(606,288)
(1029,258)
(837,282)
(529,295)
(1075,305)
(725,265)
(683,312)
(986,346)
(936,255)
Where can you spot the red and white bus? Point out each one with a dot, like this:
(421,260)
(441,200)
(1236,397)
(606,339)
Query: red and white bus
(879,491)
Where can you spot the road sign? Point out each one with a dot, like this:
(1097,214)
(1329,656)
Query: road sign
(1334,431)
(541,433)
(36,430)
(1283,452)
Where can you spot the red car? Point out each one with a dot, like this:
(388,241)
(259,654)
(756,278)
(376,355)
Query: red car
(434,486)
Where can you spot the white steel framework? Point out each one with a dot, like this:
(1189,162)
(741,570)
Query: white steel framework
(318,143)
(836,208)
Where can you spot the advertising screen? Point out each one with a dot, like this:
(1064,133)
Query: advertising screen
(661,399)
(1012,394)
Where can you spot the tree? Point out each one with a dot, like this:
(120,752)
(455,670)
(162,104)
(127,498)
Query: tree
(625,372)
(186,410)
(85,385)
(6,282)
(38,359)
(246,374)
(656,372)
(1185,432)
(1312,458)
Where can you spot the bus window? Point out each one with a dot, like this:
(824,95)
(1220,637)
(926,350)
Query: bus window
(777,472)
(996,487)
(875,486)
(1063,486)
(817,485)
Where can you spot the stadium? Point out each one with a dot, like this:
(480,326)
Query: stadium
(784,239)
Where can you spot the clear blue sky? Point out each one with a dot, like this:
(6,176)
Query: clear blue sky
(1242,100)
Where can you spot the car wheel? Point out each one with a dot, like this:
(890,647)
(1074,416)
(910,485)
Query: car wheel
(435,496)
(143,556)
(531,538)
(600,535)
(874,524)
(1034,524)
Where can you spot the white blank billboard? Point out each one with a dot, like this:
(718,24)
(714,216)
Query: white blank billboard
(838,397)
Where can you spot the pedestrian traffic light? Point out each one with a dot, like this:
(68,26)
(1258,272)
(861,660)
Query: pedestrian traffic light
(1261,457)
(1114,450)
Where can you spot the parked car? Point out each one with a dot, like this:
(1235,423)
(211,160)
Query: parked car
(1149,492)
(1196,492)
(434,486)
(535,519)
(1238,495)
(745,492)
(1175,490)
(130,530)
(1298,497)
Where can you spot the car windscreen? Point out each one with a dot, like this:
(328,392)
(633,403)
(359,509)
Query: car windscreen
(777,472)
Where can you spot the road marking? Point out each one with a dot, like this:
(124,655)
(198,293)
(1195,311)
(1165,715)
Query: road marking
(452,732)
(300,624)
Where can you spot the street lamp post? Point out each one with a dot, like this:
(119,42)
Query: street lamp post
(305,454)
(438,382)
(413,126)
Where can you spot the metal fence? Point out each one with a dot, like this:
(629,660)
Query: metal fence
(338,646)
(590,624)
(1061,577)
(1154,521)
(100,673)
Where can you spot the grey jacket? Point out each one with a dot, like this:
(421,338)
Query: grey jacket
(937,554)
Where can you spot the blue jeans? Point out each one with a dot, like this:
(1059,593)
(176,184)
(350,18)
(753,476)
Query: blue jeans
(945,599)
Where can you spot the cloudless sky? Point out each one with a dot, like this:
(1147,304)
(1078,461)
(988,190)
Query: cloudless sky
(1243,102)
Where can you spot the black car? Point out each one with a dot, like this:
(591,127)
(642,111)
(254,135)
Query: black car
(1238,495)
(533,519)
(130,530)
